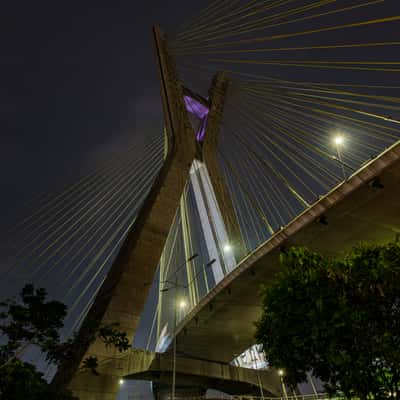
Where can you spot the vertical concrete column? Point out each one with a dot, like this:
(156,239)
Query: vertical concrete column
(210,157)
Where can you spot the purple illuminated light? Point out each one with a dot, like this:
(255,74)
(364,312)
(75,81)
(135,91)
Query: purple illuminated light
(199,110)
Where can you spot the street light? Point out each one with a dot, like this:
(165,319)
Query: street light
(182,304)
(281,373)
(339,141)
(121,381)
(227,248)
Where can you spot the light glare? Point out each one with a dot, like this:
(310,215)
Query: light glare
(121,381)
(227,248)
(281,372)
(182,304)
(339,140)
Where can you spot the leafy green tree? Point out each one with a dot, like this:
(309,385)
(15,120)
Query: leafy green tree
(34,321)
(338,318)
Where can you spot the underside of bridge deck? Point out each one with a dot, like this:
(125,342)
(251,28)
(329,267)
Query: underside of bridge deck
(362,209)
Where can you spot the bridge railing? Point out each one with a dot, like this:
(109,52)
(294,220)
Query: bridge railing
(318,396)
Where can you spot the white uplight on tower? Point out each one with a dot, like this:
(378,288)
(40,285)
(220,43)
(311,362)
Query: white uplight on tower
(182,304)
(227,248)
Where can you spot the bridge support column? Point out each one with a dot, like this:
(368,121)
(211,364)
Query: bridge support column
(163,392)
(87,386)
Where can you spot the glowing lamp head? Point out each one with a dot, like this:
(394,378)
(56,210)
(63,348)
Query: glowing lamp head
(227,248)
(182,304)
(339,140)
(121,382)
(281,372)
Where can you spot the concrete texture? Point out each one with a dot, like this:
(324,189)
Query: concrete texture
(190,373)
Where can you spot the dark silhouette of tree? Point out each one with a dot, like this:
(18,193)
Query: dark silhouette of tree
(31,320)
(336,318)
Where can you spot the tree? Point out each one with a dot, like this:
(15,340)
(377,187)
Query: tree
(338,318)
(32,320)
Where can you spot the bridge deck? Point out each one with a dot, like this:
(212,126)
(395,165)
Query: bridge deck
(221,326)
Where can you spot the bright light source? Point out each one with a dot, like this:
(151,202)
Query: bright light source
(227,248)
(339,140)
(121,381)
(182,304)
(281,372)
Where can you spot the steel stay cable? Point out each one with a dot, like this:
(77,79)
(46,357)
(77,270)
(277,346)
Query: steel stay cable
(357,155)
(60,228)
(305,124)
(143,193)
(297,160)
(328,91)
(232,23)
(293,156)
(249,221)
(308,122)
(242,221)
(248,168)
(304,33)
(70,207)
(263,113)
(343,108)
(104,263)
(340,107)
(267,79)
(302,48)
(73,188)
(340,65)
(274,187)
(97,230)
(325,121)
(333,91)
(264,27)
(214,25)
(250,199)
(128,204)
(357,122)
(205,16)
(262,23)
(307,145)
(249,148)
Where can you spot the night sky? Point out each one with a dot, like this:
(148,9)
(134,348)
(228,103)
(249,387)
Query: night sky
(78,79)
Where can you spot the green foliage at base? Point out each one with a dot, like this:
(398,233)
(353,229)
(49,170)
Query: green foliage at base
(336,318)
(31,320)
(21,381)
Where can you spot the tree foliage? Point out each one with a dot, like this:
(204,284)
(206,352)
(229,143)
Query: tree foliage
(33,321)
(338,318)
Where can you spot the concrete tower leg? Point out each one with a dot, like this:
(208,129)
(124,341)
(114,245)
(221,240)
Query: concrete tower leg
(123,294)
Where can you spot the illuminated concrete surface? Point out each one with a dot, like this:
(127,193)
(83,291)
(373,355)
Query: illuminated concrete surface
(221,326)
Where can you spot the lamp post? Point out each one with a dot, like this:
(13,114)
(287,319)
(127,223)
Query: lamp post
(182,305)
(339,140)
(281,372)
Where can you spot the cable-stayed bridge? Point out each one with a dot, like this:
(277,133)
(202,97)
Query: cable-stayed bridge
(242,171)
